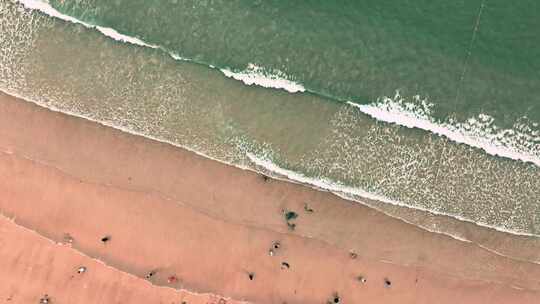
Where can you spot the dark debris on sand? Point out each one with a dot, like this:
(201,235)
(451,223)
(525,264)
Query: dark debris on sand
(361,279)
(307,208)
(150,274)
(45,299)
(290,216)
(275,247)
(335,299)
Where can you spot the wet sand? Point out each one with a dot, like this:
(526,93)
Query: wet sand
(33,267)
(211,225)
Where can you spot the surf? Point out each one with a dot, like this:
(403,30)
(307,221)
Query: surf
(356,194)
(478,132)
(349,189)
(501,143)
(267,166)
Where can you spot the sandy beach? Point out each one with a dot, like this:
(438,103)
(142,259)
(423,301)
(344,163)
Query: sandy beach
(219,231)
(35,268)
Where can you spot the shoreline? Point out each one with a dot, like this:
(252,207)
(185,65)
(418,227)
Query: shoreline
(153,198)
(435,219)
(359,196)
(383,112)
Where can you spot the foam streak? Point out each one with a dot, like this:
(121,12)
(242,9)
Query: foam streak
(474,132)
(353,193)
(255,75)
(46,8)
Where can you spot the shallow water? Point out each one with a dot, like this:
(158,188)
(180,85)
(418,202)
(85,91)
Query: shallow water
(465,60)
(144,90)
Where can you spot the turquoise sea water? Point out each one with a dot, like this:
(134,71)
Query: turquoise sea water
(356,50)
(464,74)
(466,57)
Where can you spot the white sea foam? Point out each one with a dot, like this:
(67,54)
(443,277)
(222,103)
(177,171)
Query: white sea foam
(346,192)
(46,8)
(124,38)
(322,184)
(479,132)
(252,75)
(256,75)
(356,194)
(392,110)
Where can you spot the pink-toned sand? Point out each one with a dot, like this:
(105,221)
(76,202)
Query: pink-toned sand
(209,224)
(33,267)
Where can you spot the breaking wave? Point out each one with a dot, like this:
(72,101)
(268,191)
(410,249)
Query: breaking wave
(521,142)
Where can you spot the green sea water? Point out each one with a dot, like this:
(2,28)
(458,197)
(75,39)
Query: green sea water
(78,70)
(467,57)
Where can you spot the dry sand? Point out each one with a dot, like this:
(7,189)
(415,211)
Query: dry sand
(33,267)
(209,224)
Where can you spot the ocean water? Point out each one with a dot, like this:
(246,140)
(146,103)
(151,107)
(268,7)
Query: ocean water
(429,105)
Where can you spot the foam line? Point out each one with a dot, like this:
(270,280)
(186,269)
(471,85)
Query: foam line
(252,75)
(109,32)
(255,75)
(349,193)
(471,133)
(475,132)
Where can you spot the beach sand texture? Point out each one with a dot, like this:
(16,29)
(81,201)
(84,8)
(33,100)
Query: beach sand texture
(34,268)
(210,225)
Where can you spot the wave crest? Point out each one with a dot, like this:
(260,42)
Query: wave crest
(256,75)
(521,142)
(516,143)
